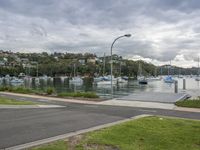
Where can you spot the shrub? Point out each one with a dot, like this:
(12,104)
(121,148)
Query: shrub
(50,90)
(79,94)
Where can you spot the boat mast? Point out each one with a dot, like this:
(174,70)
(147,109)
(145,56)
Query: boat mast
(74,70)
(120,71)
(198,67)
(37,69)
(104,64)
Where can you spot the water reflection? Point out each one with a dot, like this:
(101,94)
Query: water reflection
(62,84)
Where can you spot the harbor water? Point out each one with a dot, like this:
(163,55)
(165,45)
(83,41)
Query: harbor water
(104,91)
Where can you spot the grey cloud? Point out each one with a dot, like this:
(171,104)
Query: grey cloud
(162,29)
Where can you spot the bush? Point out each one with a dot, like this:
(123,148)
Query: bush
(79,94)
(50,90)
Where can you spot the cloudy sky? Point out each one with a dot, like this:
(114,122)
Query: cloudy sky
(162,30)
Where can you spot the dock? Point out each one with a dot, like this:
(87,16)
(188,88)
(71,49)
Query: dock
(155,97)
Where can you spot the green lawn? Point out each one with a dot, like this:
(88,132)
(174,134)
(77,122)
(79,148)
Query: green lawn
(79,94)
(189,103)
(150,133)
(6,101)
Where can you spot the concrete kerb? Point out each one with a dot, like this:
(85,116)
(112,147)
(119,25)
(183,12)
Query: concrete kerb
(64,136)
(29,106)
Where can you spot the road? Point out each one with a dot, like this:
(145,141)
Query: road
(20,126)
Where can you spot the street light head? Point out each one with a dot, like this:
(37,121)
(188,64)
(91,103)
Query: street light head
(127,35)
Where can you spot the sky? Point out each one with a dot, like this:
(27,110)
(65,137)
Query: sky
(162,30)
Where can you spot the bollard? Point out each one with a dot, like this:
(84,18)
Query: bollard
(184,84)
(175,86)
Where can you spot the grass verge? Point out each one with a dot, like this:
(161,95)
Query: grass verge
(23,90)
(150,133)
(49,91)
(6,101)
(195,103)
(79,94)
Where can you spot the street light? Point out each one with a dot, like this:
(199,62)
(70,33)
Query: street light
(111,62)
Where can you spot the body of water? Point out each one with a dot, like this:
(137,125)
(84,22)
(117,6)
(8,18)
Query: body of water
(63,85)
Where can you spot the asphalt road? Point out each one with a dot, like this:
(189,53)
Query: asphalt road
(20,126)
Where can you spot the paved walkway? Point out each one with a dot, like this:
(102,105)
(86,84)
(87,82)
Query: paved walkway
(159,97)
(113,102)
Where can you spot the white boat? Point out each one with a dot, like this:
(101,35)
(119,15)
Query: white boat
(76,80)
(17,81)
(98,79)
(63,78)
(141,79)
(37,81)
(106,80)
(154,78)
(121,80)
(104,83)
(7,79)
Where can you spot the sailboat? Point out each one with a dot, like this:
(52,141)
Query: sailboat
(141,79)
(169,78)
(76,79)
(198,77)
(105,80)
(155,77)
(120,79)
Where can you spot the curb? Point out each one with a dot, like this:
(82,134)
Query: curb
(29,106)
(64,136)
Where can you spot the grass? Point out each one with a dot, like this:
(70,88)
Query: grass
(59,145)
(79,94)
(16,89)
(6,101)
(195,103)
(24,90)
(150,133)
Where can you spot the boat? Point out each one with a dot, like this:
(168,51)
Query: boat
(198,77)
(141,79)
(76,80)
(169,79)
(98,79)
(37,81)
(16,81)
(121,80)
(106,80)
(152,78)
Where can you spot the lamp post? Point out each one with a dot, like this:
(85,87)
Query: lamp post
(111,62)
